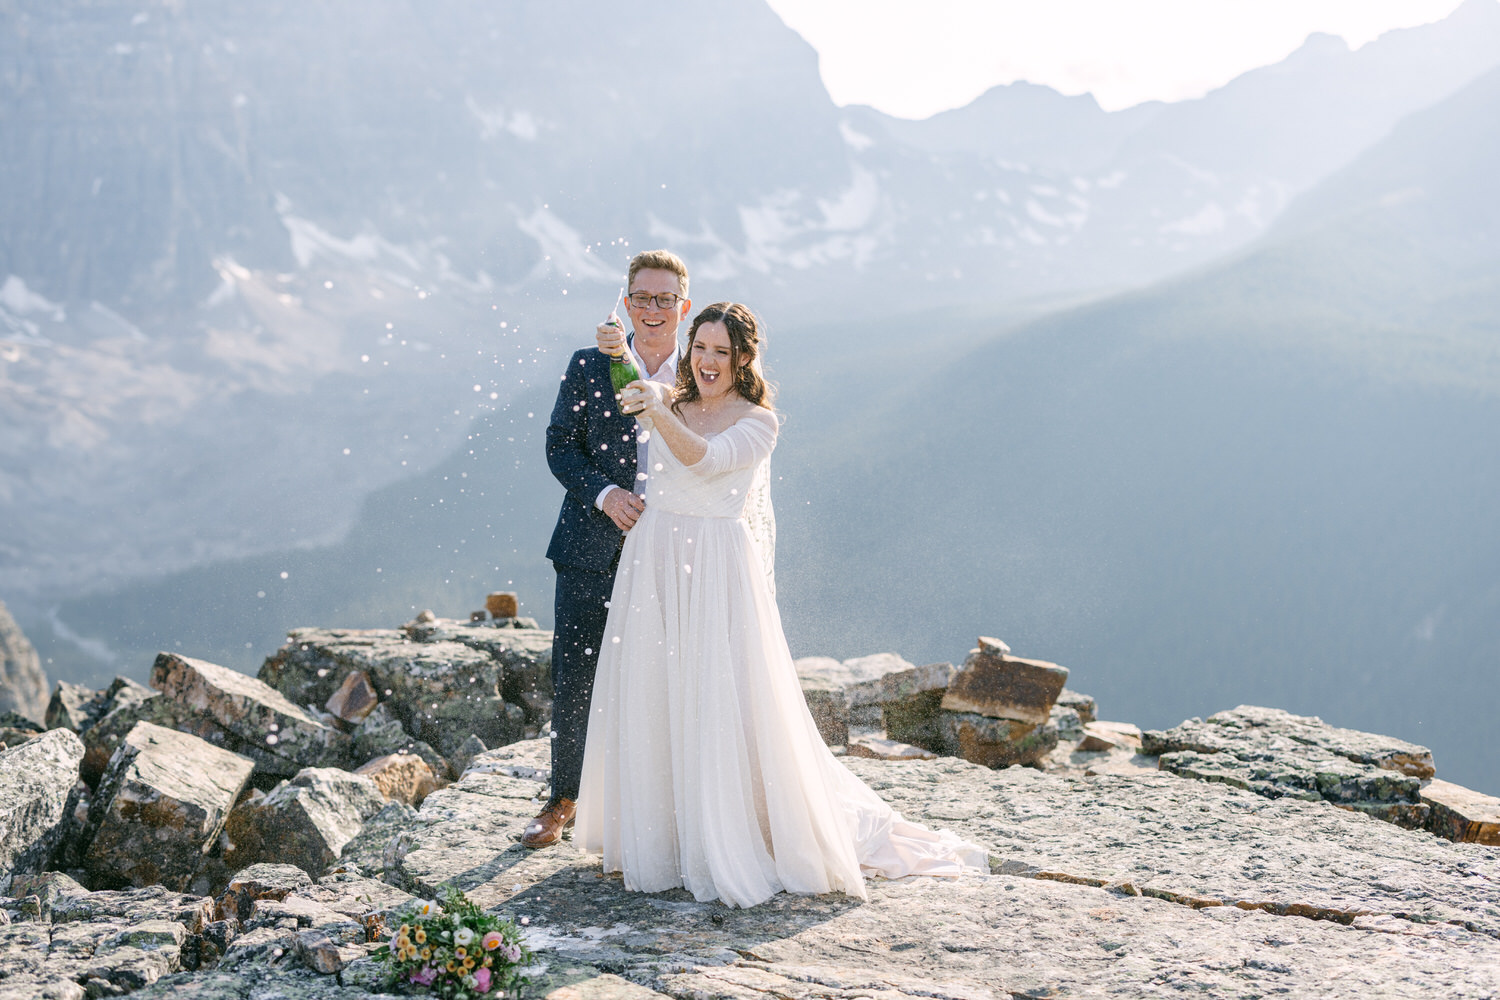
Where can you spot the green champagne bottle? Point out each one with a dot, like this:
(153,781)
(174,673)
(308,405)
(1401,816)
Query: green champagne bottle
(623,370)
(622,366)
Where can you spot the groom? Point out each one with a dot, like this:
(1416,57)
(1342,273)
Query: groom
(592,450)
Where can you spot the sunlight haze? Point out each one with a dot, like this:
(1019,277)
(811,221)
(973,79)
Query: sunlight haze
(882,53)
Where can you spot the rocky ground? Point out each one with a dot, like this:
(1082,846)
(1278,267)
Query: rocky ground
(1247,854)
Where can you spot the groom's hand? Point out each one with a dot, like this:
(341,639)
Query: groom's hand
(610,337)
(624,508)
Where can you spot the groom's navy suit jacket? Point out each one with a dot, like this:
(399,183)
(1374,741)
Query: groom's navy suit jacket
(590,444)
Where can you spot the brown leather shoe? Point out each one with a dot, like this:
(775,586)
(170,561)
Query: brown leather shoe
(549,824)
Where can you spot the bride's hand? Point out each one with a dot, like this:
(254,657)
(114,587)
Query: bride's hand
(644,399)
(610,335)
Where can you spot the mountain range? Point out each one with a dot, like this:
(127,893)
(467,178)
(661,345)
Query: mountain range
(1190,397)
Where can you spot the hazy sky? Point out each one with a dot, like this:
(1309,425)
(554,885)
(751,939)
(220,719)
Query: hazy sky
(915,59)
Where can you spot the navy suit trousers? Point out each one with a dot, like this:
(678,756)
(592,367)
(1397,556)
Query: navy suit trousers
(580,612)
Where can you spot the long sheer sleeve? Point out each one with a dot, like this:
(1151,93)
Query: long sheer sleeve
(748,442)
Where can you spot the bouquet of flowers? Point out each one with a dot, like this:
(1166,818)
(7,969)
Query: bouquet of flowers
(454,950)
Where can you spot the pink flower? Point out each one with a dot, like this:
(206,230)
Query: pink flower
(482,980)
(492,940)
(512,953)
(425,976)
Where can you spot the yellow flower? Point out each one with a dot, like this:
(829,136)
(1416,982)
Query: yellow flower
(421,935)
(406,928)
(426,954)
(451,966)
(460,952)
(468,964)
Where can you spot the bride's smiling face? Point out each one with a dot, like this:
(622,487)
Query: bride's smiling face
(711,358)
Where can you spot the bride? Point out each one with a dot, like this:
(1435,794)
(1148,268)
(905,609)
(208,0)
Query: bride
(703,767)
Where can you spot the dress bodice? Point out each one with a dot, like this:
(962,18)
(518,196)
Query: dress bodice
(720,483)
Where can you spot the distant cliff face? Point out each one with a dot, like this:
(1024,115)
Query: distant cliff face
(23,685)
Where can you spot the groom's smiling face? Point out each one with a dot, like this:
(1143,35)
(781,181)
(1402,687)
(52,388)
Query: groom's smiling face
(653,323)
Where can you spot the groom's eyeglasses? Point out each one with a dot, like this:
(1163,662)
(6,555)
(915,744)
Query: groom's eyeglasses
(643,300)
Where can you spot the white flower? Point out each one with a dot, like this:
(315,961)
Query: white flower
(463,936)
(428,908)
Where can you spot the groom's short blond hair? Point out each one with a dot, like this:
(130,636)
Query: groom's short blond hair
(660,260)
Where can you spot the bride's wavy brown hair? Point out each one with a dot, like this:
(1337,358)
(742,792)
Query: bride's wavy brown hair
(744,356)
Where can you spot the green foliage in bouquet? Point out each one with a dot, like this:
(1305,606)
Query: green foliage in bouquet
(454,950)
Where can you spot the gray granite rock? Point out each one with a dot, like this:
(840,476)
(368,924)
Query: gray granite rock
(23,685)
(910,701)
(1083,704)
(443,681)
(73,707)
(1251,725)
(825,699)
(1142,885)
(304,822)
(1279,755)
(160,807)
(120,707)
(248,716)
(365,853)
(263,880)
(36,782)
(993,742)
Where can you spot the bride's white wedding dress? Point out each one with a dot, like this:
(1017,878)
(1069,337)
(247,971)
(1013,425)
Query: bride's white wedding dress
(703,767)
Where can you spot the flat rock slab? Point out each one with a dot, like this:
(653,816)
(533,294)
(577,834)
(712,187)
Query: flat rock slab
(1462,814)
(36,779)
(1200,844)
(1252,726)
(1105,886)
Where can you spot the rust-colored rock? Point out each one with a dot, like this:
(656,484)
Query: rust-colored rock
(402,777)
(502,604)
(355,698)
(1000,686)
(1461,814)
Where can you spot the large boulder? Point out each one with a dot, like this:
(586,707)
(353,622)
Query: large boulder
(993,742)
(23,685)
(160,807)
(998,708)
(867,693)
(442,680)
(304,822)
(993,683)
(36,780)
(247,715)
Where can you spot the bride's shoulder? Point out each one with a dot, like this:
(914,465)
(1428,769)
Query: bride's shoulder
(760,415)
